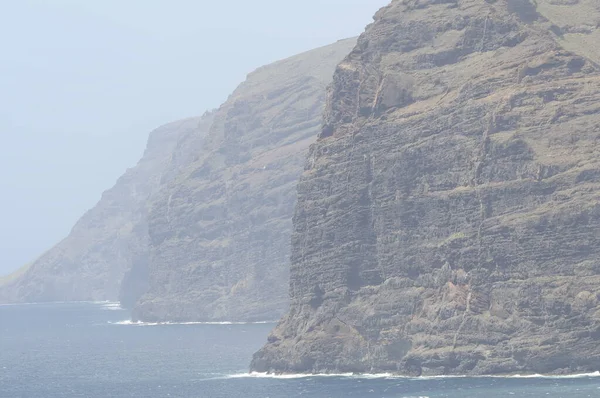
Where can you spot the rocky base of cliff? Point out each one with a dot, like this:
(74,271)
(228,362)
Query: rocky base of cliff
(553,327)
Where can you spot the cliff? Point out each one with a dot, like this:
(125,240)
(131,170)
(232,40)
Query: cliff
(110,242)
(448,218)
(202,223)
(220,233)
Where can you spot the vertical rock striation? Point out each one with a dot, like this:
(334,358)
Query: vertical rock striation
(448,218)
(220,233)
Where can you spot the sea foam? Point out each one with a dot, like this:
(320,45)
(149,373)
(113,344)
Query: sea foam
(101,303)
(394,376)
(110,305)
(140,323)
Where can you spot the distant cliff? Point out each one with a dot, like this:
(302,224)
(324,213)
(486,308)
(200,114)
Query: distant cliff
(220,233)
(201,226)
(448,219)
(110,242)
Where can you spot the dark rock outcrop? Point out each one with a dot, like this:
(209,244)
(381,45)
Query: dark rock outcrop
(105,255)
(448,219)
(220,233)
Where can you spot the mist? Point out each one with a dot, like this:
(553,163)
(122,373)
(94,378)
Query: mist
(84,83)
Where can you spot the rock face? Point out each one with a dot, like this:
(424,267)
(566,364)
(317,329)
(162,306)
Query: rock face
(105,255)
(220,233)
(448,219)
(202,224)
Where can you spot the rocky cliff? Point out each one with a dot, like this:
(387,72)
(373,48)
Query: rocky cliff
(202,223)
(109,244)
(448,218)
(220,233)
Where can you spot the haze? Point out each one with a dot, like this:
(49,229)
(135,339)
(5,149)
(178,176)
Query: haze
(84,82)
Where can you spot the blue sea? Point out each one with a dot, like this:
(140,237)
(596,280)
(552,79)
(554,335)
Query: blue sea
(92,350)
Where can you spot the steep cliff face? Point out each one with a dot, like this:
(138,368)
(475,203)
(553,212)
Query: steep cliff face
(220,232)
(109,244)
(448,219)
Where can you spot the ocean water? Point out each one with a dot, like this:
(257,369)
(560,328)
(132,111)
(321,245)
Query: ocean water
(92,350)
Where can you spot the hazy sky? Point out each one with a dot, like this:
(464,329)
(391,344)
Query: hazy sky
(82,83)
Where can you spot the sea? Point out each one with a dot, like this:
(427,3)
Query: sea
(93,350)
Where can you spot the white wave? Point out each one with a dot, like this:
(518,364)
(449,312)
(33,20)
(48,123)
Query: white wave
(15,304)
(395,376)
(360,376)
(539,376)
(110,305)
(103,303)
(339,375)
(311,375)
(514,376)
(140,323)
(285,375)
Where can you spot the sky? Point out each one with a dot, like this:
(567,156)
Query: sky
(83,82)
